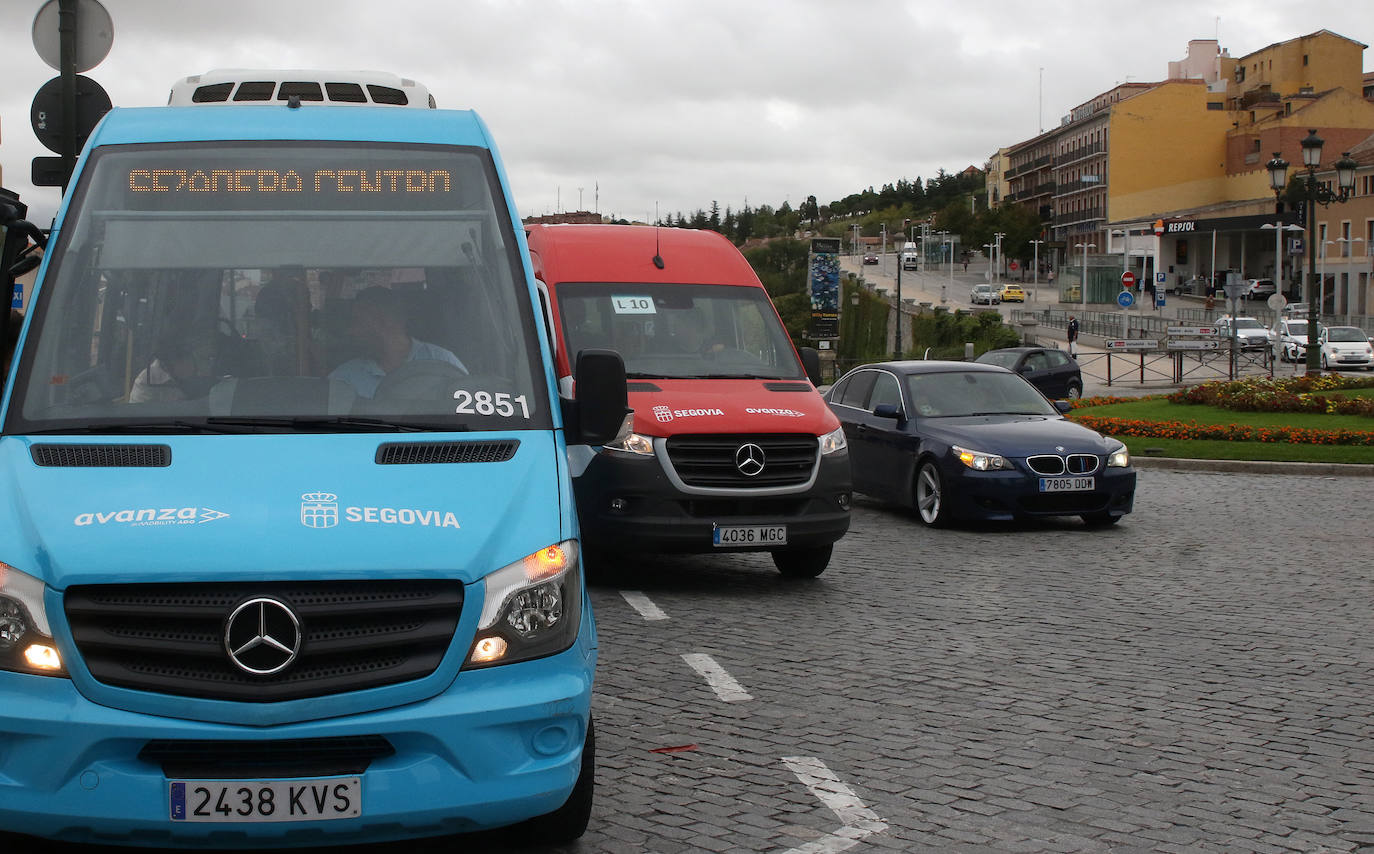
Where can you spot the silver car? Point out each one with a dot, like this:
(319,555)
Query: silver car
(984,294)
(1250,333)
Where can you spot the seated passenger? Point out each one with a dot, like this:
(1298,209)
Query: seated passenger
(163,379)
(378,323)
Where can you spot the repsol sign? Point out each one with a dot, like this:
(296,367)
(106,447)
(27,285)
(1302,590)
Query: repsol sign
(1180,226)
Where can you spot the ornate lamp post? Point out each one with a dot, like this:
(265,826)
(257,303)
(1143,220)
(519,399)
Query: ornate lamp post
(1313,194)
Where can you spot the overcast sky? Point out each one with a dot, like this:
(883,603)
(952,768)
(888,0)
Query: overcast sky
(676,104)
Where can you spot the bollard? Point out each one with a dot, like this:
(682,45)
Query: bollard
(968,351)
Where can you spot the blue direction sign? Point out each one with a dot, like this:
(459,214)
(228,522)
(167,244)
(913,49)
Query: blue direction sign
(1125,299)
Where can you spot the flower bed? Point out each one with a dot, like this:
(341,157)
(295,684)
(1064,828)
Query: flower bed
(1228,432)
(1293,394)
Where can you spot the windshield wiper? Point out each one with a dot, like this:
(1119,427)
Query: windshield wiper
(342,422)
(140,427)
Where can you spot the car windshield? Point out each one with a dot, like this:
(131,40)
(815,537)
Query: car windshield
(679,331)
(1248,323)
(1297,327)
(962,393)
(1346,335)
(300,284)
(1000,358)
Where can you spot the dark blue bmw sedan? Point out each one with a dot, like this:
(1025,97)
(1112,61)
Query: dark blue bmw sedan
(964,440)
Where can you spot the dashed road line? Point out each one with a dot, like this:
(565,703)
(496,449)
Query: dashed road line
(858,821)
(643,604)
(725,686)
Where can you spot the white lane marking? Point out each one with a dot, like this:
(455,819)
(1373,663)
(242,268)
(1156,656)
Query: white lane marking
(859,822)
(644,605)
(725,686)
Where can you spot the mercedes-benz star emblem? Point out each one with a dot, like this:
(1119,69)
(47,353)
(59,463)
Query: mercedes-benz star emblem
(262,636)
(749,459)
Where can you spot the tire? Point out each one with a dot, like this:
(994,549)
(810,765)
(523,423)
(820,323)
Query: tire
(1100,520)
(1074,390)
(929,491)
(568,822)
(802,563)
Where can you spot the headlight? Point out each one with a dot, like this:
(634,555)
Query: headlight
(980,460)
(632,443)
(26,643)
(1120,458)
(833,442)
(532,608)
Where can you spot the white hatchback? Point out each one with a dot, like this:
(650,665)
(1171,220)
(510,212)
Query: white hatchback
(1345,347)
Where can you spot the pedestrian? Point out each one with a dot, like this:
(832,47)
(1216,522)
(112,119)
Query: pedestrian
(965,265)
(1073,336)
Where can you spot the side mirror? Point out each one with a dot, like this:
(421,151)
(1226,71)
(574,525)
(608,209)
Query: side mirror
(24,265)
(602,401)
(1063,406)
(811,362)
(888,410)
(29,230)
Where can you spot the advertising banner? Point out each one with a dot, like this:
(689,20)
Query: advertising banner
(824,283)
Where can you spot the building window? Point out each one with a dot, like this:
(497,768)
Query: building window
(1256,145)
(1214,105)
(1304,59)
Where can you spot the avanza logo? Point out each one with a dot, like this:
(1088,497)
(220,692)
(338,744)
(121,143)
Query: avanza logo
(150,516)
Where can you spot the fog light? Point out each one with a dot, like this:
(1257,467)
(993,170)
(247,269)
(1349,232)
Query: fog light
(844,500)
(488,650)
(42,657)
(618,505)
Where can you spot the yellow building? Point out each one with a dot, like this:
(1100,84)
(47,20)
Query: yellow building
(1175,170)
(995,179)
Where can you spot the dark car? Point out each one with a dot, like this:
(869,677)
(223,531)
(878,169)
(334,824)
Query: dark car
(870,257)
(973,441)
(1054,372)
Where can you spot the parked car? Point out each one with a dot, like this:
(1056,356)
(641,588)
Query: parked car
(870,257)
(1250,333)
(1052,371)
(965,440)
(1013,293)
(1345,347)
(984,294)
(1259,289)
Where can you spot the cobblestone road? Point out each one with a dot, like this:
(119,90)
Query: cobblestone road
(1197,679)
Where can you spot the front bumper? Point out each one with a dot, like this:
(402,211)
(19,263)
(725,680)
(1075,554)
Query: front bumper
(629,504)
(499,746)
(1007,494)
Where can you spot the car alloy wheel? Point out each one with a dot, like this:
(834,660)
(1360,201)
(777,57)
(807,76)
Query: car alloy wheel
(930,505)
(1075,389)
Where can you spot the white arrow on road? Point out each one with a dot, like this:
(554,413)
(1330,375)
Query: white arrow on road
(858,821)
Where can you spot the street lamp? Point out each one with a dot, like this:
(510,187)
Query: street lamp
(987,251)
(1035,264)
(997,254)
(1313,193)
(1083,280)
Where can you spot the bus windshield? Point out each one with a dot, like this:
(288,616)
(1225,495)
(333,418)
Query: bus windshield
(304,284)
(680,331)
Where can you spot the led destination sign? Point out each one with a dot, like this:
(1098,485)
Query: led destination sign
(290,181)
(270,177)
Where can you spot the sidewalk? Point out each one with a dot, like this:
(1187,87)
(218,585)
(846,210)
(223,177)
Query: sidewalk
(928,289)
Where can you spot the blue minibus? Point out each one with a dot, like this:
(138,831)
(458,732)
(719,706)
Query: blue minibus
(288,550)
